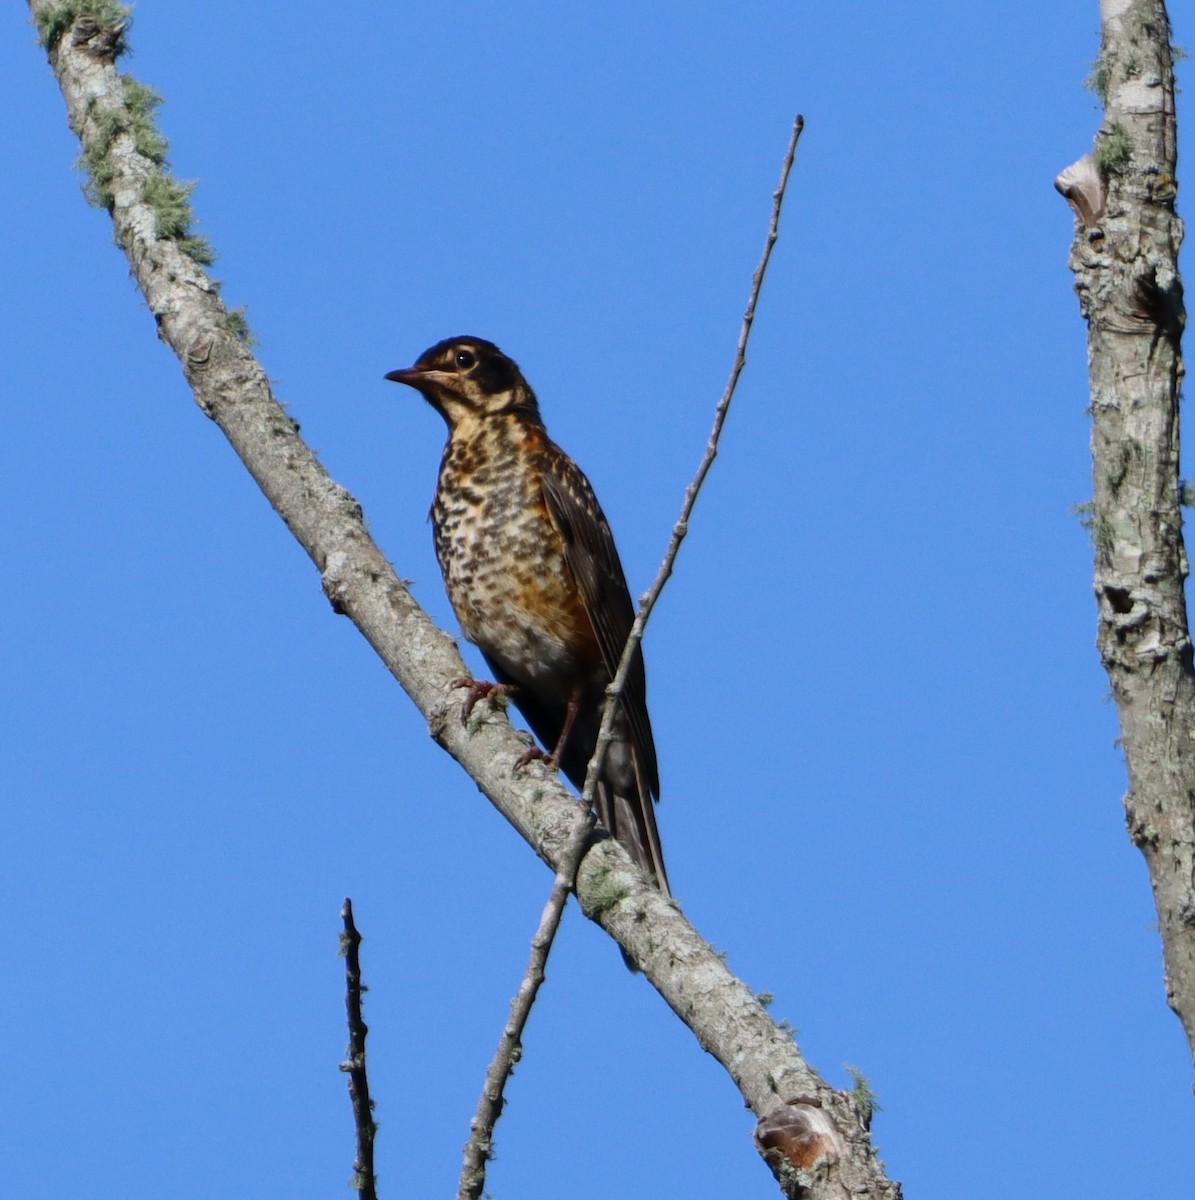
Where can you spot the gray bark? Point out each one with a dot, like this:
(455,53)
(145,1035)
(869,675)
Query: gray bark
(814,1137)
(1125,260)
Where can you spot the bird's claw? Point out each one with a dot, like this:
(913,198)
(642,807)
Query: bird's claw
(479,689)
(535,754)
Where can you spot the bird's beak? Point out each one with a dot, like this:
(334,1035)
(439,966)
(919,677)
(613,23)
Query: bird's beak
(411,376)
(422,379)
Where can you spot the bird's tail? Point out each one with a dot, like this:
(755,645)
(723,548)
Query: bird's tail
(628,815)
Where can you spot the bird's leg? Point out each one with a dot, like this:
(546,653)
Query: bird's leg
(553,760)
(479,688)
(570,716)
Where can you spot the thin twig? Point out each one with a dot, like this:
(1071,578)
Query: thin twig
(681,528)
(478,1149)
(364,1180)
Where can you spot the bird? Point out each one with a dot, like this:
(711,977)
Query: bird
(533,575)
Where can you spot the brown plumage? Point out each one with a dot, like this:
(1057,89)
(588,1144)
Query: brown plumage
(531,569)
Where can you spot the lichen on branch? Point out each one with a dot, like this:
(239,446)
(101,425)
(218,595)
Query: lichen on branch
(53,20)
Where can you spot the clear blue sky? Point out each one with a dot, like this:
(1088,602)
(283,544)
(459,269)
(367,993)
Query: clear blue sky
(890,787)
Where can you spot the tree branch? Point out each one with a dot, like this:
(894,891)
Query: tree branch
(364,1180)
(479,1148)
(108,112)
(1125,261)
(681,528)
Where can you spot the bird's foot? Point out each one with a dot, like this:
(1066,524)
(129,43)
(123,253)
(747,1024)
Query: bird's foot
(535,754)
(479,689)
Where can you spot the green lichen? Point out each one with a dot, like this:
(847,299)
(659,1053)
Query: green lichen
(141,103)
(865,1098)
(1098,527)
(55,19)
(1113,151)
(170,200)
(1099,78)
(98,173)
(603,893)
(132,116)
(1144,20)
(237,322)
(174,217)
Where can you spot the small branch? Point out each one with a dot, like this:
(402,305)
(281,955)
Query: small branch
(681,528)
(364,1180)
(479,1148)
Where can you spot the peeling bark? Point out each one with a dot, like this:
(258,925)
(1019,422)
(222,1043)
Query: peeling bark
(1125,261)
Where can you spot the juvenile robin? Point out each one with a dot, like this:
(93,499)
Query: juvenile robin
(532,572)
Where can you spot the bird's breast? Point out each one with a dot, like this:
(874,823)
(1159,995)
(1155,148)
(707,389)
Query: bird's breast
(504,562)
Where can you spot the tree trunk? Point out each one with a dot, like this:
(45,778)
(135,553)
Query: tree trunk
(1125,260)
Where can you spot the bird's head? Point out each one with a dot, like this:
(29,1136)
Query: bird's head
(468,377)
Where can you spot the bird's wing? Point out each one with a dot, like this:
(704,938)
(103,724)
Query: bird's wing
(593,559)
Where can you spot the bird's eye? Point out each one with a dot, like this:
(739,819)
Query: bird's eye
(465,359)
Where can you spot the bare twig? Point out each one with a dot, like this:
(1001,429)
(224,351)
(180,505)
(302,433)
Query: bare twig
(364,1180)
(478,1149)
(681,528)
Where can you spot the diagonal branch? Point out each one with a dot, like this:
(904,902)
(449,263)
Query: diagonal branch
(479,1147)
(681,528)
(108,111)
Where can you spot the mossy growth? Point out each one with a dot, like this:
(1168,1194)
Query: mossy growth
(134,117)
(93,161)
(1113,151)
(865,1098)
(237,321)
(141,103)
(53,21)
(1145,22)
(1098,527)
(169,199)
(171,204)
(603,893)
(1098,80)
